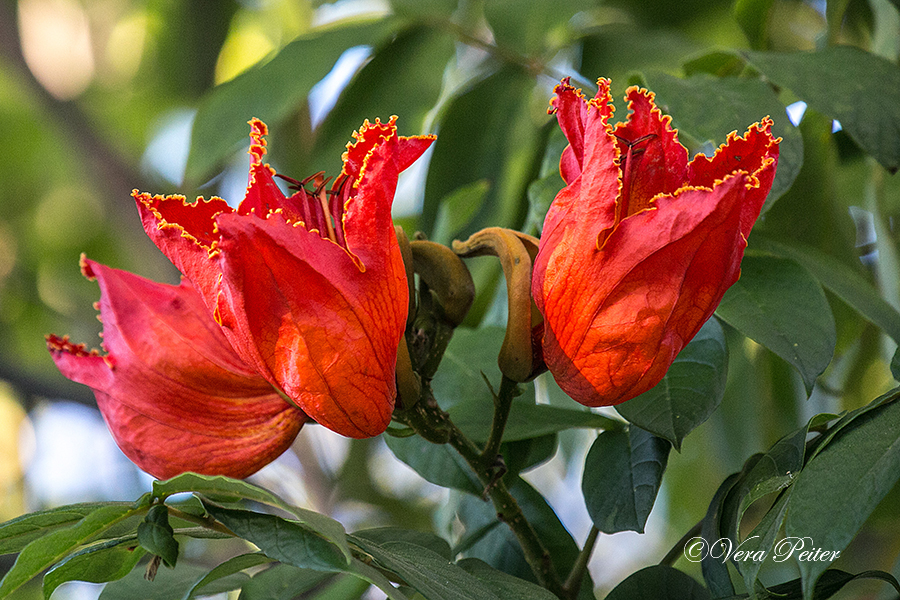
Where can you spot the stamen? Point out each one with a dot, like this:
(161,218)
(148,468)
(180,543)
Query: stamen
(625,165)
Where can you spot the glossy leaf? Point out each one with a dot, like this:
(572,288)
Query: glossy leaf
(439,464)
(157,536)
(233,565)
(778,304)
(51,548)
(505,587)
(387,535)
(659,583)
(622,474)
(19,532)
(835,493)
(865,97)
(168,584)
(841,280)
(689,393)
(287,541)
(705,108)
(98,563)
(429,573)
(281,582)
(225,489)
(271,91)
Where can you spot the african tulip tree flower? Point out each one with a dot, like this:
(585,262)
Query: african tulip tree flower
(173,392)
(290,307)
(640,246)
(310,289)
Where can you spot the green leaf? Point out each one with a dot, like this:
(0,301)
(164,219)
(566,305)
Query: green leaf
(494,543)
(384,535)
(488,133)
(753,16)
(233,565)
(427,572)
(531,27)
(830,583)
(99,563)
(779,304)
(526,420)
(846,283)
(659,582)
(840,486)
(437,463)
(224,489)
(374,576)
(271,91)
(287,541)
(19,532)
(157,536)
(168,584)
(45,551)
(708,550)
(707,108)
(505,587)
(622,474)
(689,393)
(403,77)
(281,582)
(859,89)
(457,209)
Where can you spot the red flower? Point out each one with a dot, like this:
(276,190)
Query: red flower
(290,302)
(174,394)
(309,289)
(639,247)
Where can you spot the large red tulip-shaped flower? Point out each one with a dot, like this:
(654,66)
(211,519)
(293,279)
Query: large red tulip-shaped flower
(174,394)
(639,247)
(310,289)
(291,306)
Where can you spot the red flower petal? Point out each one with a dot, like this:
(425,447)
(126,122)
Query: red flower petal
(174,394)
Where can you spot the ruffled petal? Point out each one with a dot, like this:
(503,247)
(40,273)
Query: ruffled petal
(174,394)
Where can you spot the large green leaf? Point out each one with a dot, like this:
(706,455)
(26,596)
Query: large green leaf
(45,551)
(659,582)
(690,391)
(622,474)
(168,584)
(19,532)
(426,571)
(156,535)
(438,463)
(840,487)
(505,587)
(287,541)
(846,283)
(859,89)
(225,489)
(530,27)
(709,108)
(99,563)
(233,565)
(281,582)
(779,304)
(271,91)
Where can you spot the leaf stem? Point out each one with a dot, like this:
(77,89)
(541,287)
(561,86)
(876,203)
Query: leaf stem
(509,389)
(576,576)
(678,549)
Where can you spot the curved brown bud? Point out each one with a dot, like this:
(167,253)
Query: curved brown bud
(445,275)
(409,386)
(516,251)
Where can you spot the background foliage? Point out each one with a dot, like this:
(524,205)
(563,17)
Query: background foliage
(811,327)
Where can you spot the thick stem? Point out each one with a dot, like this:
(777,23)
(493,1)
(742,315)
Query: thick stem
(433,424)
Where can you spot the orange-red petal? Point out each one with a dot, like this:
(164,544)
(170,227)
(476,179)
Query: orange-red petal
(174,394)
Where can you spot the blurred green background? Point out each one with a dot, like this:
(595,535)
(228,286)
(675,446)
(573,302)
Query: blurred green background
(98,97)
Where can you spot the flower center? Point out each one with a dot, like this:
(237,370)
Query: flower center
(320,209)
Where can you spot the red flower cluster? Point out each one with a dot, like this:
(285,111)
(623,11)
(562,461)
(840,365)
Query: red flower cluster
(639,247)
(291,308)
